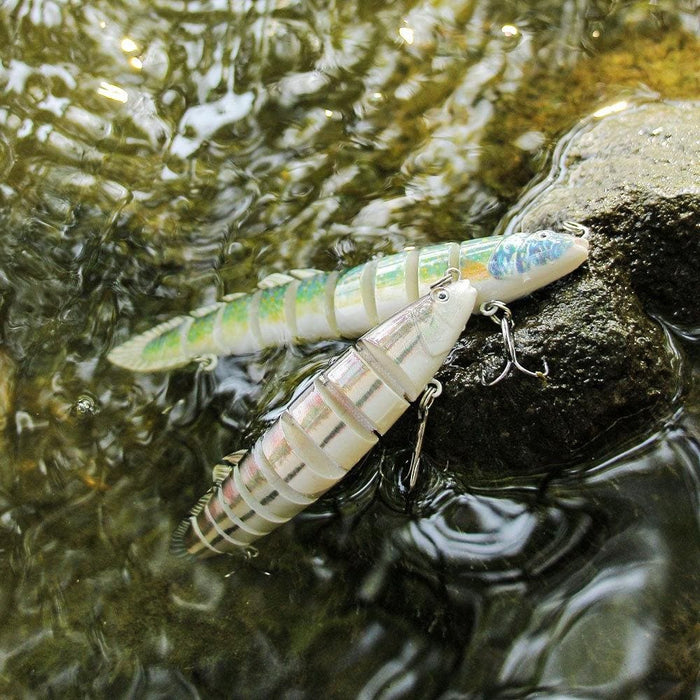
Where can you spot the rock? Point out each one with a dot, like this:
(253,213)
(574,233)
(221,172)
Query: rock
(634,177)
(631,177)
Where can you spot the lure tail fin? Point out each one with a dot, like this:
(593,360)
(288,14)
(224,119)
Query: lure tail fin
(159,348)
(178,548)
(178,541)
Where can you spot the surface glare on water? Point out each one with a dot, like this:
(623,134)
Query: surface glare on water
(154,156)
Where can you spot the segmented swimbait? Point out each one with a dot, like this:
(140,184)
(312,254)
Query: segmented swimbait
(310,305)
(330,426)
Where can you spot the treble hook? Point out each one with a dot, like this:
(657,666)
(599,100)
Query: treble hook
(491,309)
(431,392)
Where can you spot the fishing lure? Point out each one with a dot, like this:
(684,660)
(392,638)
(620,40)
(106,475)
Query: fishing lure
(309,305)
(330,426)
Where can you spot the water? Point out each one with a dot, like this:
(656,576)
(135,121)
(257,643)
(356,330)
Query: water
(154,156)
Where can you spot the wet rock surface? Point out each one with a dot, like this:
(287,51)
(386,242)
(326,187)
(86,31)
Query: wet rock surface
(632,178)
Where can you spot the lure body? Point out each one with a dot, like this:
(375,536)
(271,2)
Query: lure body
(326,305)
(330,426)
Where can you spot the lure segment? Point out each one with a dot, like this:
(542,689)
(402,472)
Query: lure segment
(311,305)
(329,427)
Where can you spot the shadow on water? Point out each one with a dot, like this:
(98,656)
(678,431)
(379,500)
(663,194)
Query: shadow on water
(155,156)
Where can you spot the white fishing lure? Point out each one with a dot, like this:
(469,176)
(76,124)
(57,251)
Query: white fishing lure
(330,426)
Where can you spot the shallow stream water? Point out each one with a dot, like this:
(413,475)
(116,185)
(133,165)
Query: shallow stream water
(155,156)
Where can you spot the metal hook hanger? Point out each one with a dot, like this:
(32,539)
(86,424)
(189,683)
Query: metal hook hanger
(207,363)
(430,393)
(491,309)
(576,228)
(452,274)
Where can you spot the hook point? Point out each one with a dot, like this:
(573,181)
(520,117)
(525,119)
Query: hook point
(506,322)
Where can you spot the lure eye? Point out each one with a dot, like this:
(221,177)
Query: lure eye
(542,235)
(441,295)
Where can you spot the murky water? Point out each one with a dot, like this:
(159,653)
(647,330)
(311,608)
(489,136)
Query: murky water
(154,156)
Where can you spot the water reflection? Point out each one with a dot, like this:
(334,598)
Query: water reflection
(596,632)
(112,92)
(495,537)
(588,565)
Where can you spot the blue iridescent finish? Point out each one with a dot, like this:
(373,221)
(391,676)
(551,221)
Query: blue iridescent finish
(522,252)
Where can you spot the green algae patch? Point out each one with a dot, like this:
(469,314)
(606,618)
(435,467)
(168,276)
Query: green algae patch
(548,102)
